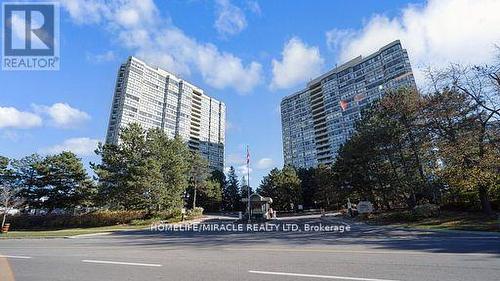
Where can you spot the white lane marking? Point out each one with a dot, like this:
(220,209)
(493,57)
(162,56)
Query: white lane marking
(122,263)
(317,276)
(15,257)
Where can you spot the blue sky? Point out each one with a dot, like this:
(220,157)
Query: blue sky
(249,54)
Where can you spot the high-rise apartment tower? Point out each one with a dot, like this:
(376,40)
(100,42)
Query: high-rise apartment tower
(317,120)
(156,98)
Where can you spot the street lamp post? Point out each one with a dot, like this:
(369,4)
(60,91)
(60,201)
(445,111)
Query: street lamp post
(185,198)
(249,208)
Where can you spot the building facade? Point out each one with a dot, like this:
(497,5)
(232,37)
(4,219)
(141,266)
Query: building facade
(155,98)
(317,120)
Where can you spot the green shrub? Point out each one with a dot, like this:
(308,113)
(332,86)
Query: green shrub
(403,216)
(167,215)
(426,210)
(398,217)
(97,219)
(94,219)
(195,213)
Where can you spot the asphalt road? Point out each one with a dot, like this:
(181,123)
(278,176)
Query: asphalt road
(364,253)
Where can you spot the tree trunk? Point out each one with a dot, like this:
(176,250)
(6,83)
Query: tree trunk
(485,202)
(414,149)
(412,200)
(194,196)
(387,204)
(483,190)
(4,217)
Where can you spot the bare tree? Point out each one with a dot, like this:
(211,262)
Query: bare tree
(9,200)
(481,85)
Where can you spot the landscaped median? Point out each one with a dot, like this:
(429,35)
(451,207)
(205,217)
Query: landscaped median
(61,226)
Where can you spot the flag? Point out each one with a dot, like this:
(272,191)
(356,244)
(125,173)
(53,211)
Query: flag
(248,156)
(344,104)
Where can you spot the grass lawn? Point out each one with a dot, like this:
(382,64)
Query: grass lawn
(447,220)
(61,233)
(67,232)
(459,221)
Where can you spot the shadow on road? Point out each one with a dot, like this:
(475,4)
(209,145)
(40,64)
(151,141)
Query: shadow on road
(373,237)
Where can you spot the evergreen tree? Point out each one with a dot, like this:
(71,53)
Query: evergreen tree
(309,187)
(64,182)
(146,170)
(6,174)
(326,194)
(123,173)
(169,169)
(26,171)
(244,188)
(210,197)
(9,191)
(220,178)
(199,175)
(231,196)
(283,186)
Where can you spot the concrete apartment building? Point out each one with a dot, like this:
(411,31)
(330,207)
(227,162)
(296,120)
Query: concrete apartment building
(156,98)
(317,120)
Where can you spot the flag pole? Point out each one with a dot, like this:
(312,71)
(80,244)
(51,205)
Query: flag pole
(249,210)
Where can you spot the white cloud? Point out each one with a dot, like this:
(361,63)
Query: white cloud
(435,34)
(63,115)
(159,42)
(265,163)
(107,56)
(234,159)
(230,19)
(254,7)
(10,135)
(335,37)
(15,135)
(11,117)
(243,170)
(299,63)
(89,11)
(79,146)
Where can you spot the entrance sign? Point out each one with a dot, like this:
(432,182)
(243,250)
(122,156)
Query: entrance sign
(364,207)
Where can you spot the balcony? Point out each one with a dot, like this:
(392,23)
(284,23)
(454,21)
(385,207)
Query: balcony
(319,122)
(317,109)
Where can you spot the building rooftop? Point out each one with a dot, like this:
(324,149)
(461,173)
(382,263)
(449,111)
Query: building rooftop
(351,63)
(171,75)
